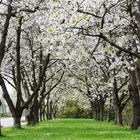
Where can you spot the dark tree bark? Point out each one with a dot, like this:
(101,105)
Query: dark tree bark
(119,102)
(48,107)
(16,111)
(33,112)
(135,100)
(17,118)
(0,120)
(38,102)
(5,32)
(116,105)
(97,106)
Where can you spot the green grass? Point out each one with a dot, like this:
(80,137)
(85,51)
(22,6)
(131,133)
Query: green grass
(71,129)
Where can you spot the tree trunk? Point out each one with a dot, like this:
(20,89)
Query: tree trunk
(44,114)
(55,111)
(110,110)
(17,118)
(30,116)
(102,112)
(118,117)
(92,109)
(49,116)
(101,105)
(51,110)
(33,115)
(40,114)
(135,101)
(97,109)
(36,115)
(0,118)
(97,117)
(135,117)
(17,121)
(5,31)
(109,115)
(95,106)
(117,104)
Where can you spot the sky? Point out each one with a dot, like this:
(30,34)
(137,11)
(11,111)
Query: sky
(10,90)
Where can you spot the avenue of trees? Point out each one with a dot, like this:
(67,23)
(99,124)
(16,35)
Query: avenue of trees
(56,52)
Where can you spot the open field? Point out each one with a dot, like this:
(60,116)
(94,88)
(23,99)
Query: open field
(71,129)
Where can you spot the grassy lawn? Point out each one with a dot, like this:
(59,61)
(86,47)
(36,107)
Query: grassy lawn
(71,129)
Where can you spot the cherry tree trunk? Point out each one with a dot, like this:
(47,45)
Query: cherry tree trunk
(49,109)
(101,105)
(30,119)
(110,110)
(17,121)
(135,116)
(40,114)
(44,115)
(118,117)
(33,112)
(102,113)
(96,110)
(93,110)
(55,111)
(97,115)
(117,104)
(134,91)
(33,116)
(17,118)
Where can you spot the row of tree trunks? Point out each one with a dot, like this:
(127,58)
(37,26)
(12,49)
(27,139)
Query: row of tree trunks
(42,113)
(97,107)
(37,112)
(17,109)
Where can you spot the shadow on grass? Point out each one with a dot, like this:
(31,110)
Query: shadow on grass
(33,124)
(2,136)
(18,129)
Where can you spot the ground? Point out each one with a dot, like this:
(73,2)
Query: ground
(71,129)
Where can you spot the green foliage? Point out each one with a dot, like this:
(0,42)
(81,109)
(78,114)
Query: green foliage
(73,110)
(138,61)
(72,129)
